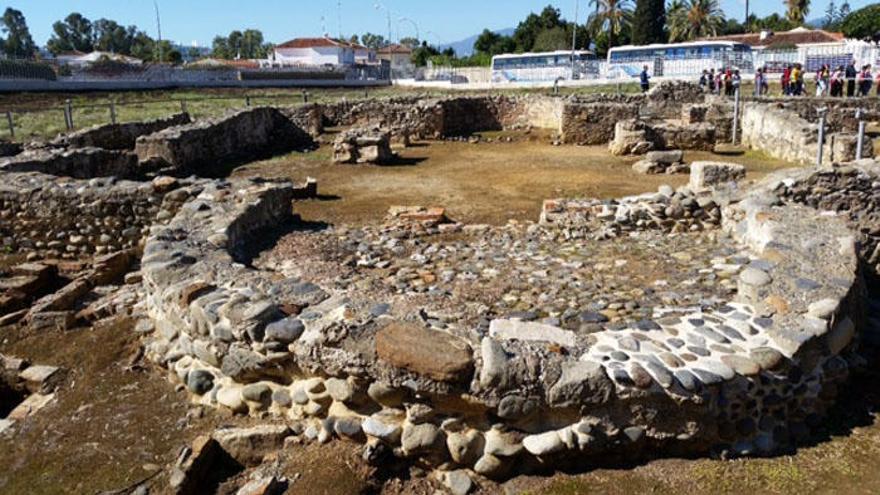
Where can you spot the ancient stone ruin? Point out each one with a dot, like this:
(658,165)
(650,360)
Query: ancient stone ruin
(467,383)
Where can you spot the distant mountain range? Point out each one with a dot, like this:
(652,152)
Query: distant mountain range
(465,47)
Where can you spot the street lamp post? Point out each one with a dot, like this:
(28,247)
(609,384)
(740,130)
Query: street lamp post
(414,24)
(379,6)
(159,29)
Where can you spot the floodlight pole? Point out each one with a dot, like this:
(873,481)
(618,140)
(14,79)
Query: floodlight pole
(159,29)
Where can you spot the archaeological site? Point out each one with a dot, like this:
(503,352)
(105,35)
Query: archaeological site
(239,321)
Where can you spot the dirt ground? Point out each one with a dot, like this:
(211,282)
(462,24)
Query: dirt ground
(488,182)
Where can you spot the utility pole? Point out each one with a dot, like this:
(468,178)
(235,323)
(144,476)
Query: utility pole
(159,29)
(339,17)
(574,31)
(747,16)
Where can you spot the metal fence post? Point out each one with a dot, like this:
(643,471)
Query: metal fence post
(860,143)
(11,124)
(69,109)
(820,152)
(112,112)
(247,101)
(735,114)
(183,106)
(305,96)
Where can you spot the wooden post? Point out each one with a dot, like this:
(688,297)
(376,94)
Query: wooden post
(305,96)
(11,124)
(112,112)
(69,106)
(247,101)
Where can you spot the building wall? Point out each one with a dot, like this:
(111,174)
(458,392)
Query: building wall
(331,55)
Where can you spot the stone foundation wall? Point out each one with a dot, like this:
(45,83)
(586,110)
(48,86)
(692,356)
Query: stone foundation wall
(78,163)
(852,190)
(783,134)
(70,218)
(841,115)
(593,123)
(203,146)
(748,377)
(591,120)
(117,136)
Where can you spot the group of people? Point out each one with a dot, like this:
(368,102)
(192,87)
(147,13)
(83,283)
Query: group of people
(726,81)
(843,81)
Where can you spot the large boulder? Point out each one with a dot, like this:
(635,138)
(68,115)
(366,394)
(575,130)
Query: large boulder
(706,175)
(430,353)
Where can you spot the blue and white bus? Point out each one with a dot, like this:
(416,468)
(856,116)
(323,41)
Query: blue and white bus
(680,59)
(544,66)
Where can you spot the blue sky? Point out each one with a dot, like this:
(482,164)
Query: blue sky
(187,21)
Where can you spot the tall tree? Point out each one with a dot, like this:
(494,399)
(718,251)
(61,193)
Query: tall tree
(649,22)
(797,10)
(74,33)
(549,40)
(374,41)
(612,18)
(491,43)
(18,42)
(843,12)
(692,19)
(528,30)
(109,36)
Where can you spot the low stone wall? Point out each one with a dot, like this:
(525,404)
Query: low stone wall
(841,115)
(593,123)
(117,136)
(309,117)
(637,137)
(851,189)
(749,377)
(69,218)
(201,147)
(783,134)
(78,163)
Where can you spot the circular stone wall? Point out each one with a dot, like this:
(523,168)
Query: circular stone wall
(750,376)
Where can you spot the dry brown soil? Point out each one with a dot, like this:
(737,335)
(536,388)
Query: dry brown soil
(477,183)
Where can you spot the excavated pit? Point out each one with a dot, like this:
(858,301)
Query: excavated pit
(714,318)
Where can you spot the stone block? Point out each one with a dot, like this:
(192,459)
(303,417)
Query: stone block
(430,353)
(706,175)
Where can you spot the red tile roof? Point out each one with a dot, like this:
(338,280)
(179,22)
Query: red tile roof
(798,36)
(313,43)
(395,49)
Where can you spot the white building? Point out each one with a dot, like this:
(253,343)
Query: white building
(322,51)
(399,56)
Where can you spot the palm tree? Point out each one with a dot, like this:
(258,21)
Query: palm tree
(797,10)
(612,16)
(692,19)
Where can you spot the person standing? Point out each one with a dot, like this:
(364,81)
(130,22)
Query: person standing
(837,79)
(645,79)
(704,80)
(786,81)
(851,74)
(736,81)
(759,82)
(712,81)
(796,80)
(822,77)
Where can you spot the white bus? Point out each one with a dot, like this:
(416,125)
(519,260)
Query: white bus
(544,66)
(680,59)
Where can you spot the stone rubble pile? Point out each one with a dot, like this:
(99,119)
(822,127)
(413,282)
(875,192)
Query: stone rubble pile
(662,162)
(667,210)
(26,387)
(363,145)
